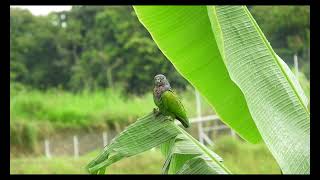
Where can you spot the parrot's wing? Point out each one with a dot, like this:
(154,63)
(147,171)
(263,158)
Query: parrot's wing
(173,104)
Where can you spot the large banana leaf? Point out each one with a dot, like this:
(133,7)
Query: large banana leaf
(184,35)
(150,131)
(223,53)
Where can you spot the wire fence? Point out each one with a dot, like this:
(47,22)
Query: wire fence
(204,128)
(80,144)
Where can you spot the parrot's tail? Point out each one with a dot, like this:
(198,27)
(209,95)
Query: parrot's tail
(184,122)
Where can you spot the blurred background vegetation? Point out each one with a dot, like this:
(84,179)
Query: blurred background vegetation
(92,67)
(240,157)
(92,47)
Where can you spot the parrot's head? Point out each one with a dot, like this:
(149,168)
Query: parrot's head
(161,80)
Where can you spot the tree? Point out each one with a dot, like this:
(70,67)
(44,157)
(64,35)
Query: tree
(57,50)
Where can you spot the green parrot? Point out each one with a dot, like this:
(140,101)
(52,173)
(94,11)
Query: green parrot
(167,101)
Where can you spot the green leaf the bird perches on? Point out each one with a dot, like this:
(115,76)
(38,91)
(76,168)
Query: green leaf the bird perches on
(185,155)
(146,133)
(154,130)
(168,102)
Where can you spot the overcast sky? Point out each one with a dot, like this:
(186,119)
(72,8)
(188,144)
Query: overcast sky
(44,10)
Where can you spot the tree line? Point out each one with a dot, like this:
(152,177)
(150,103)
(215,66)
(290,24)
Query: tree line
(96,47)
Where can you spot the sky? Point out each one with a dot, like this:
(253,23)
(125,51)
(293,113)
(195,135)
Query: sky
(44,10)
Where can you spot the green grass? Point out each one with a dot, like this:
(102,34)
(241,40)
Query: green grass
(67,109)
(83,109)
(34,113)
(239,157)
(148,162)
(245,158)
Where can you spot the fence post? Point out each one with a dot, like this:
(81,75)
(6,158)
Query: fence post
(47,148)
(105,138)
(233,134)
(214,132)
(76,146)
(296,67)
(198,103)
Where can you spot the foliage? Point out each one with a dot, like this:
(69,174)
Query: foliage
(288,30)
(270,90)
(184,154)
(95,47)
(89,47)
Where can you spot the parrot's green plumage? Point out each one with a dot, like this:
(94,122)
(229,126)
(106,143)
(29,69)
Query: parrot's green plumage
(168,102)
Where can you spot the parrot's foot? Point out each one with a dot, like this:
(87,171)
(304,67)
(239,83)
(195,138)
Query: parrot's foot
(156,112)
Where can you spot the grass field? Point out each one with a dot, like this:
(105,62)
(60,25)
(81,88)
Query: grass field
(66,109)
(245,158)
(239,157)
(34,114)
(148,162)
(76,110)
